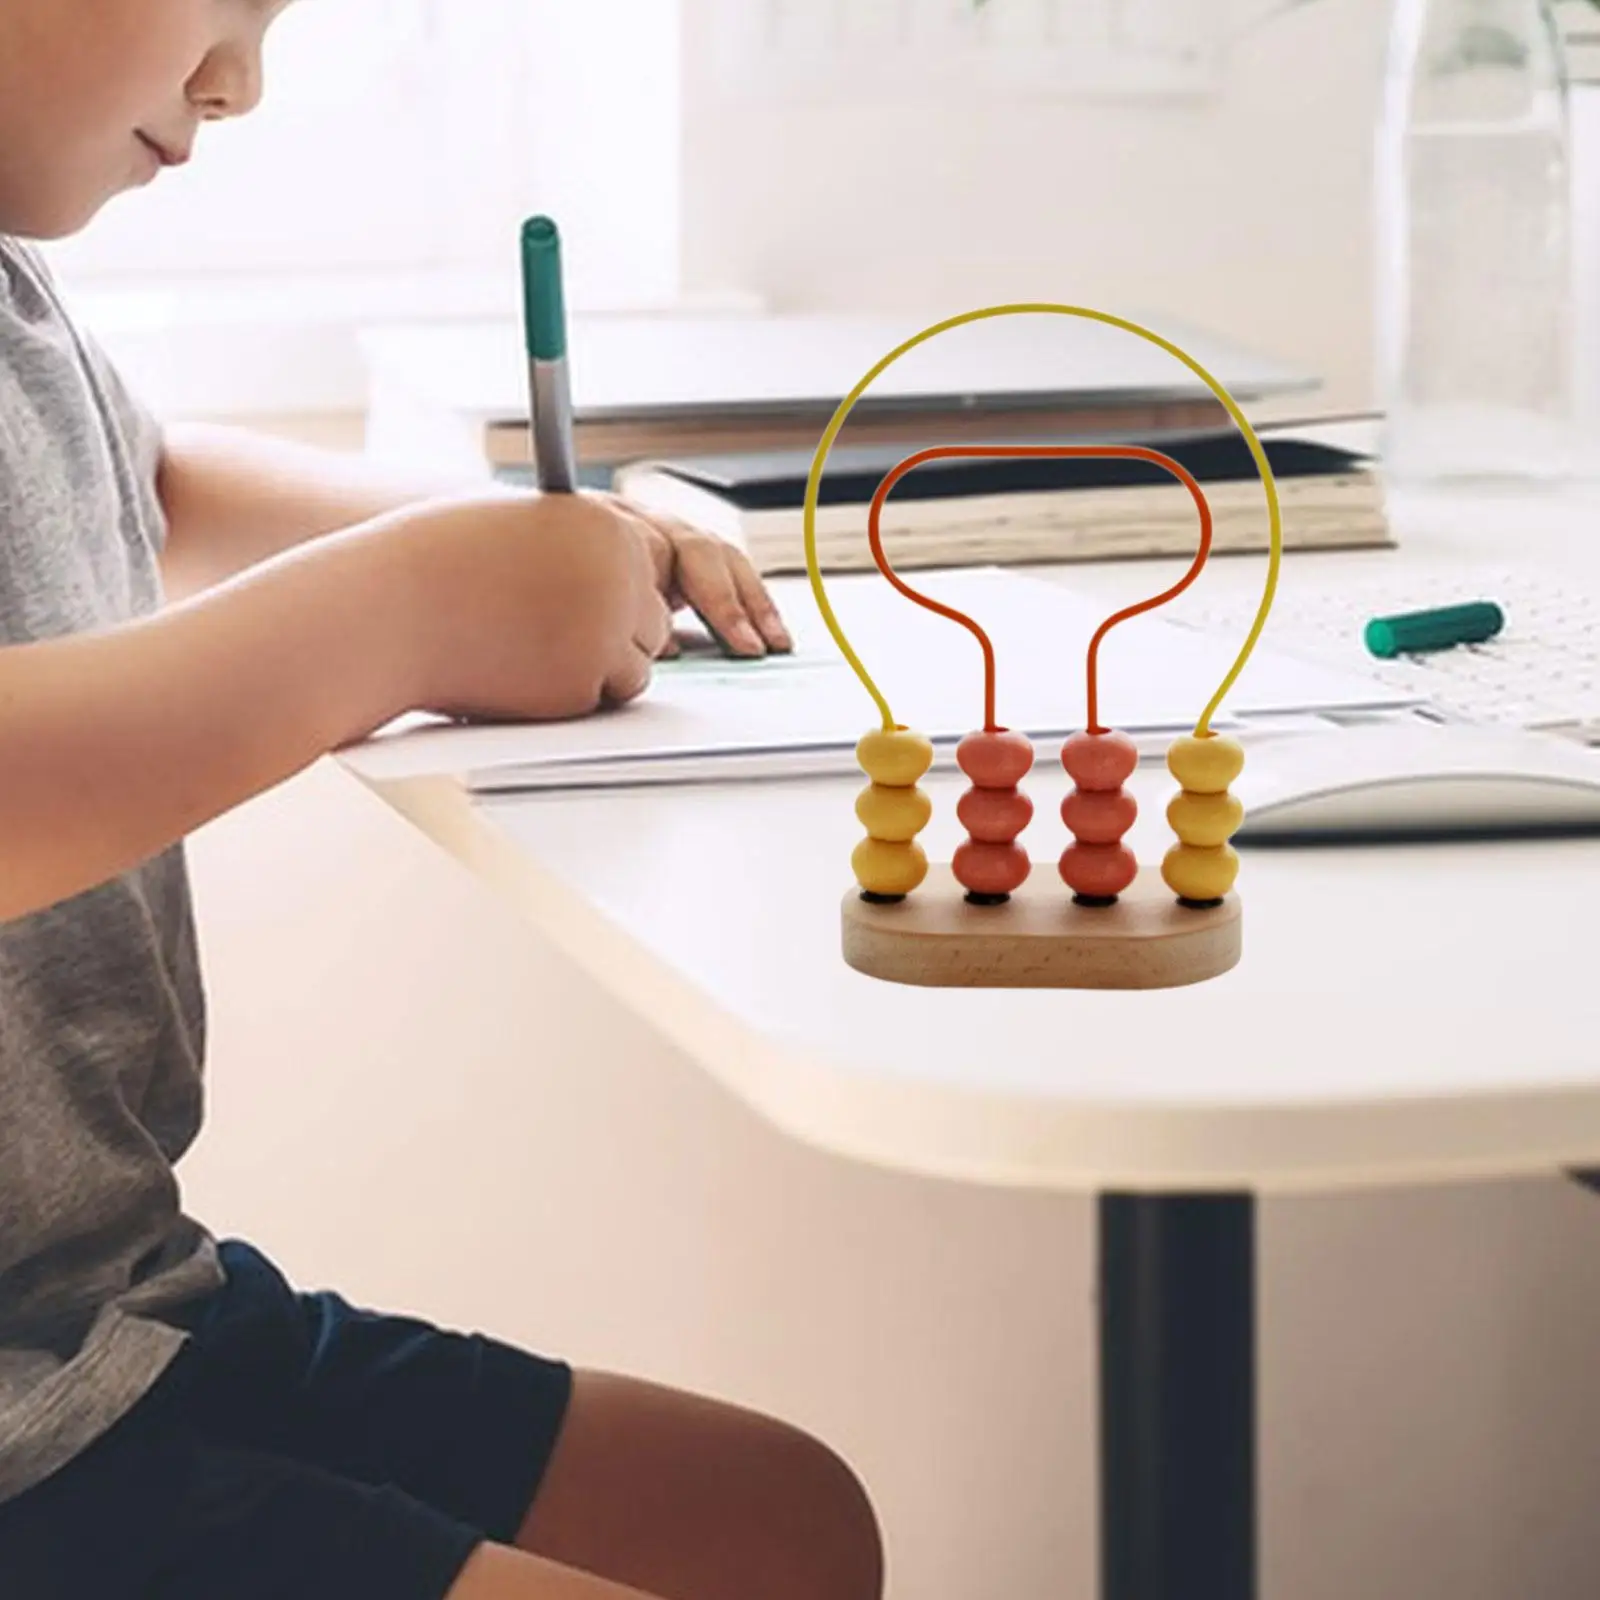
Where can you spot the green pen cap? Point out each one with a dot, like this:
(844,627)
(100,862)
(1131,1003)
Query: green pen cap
(544,306)
(1440,629)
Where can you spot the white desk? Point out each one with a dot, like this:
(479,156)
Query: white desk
(1400,1015)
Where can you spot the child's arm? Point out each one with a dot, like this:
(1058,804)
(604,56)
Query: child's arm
(234,498)
(114,745)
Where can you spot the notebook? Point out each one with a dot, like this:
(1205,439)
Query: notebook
(707,718)
(972,512)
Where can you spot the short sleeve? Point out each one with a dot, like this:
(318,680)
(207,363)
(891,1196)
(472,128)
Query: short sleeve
(80,510)
(135,425)
(139,427)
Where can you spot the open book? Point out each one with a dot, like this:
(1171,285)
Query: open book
(974,512)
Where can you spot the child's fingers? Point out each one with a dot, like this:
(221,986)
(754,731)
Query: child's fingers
(697,572)
(758,604)
(652,631)
(629,678)
(706,578)
(717,580)
(658,541)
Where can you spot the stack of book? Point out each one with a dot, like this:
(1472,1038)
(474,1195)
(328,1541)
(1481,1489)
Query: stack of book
(716,417)
(969,511)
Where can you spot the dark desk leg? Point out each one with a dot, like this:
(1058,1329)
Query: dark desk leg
(1177,1398)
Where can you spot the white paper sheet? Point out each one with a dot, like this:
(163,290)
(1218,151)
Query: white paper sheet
(705,716)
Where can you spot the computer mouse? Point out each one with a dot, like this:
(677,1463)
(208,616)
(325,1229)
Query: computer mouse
(1417,779)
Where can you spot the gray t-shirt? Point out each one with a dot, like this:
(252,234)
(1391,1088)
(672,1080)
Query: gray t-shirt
(101,1008)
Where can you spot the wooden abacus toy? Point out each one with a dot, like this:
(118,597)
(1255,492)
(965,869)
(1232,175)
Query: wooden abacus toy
(1102,921)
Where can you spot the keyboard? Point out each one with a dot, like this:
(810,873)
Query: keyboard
(1542,671)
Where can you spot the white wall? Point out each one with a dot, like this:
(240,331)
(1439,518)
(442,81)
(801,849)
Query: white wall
(1248,215)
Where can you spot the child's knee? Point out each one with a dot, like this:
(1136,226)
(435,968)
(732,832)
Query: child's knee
(842,1555)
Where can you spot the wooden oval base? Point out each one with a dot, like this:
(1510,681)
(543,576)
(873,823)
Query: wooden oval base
(1039,938)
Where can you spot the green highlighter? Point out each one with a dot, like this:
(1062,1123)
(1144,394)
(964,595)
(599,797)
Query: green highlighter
(549,389)
(544,311)
(1443,628)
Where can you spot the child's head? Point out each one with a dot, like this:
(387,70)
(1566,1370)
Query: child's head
(96,95)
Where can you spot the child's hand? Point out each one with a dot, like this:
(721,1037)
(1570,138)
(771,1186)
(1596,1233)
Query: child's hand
(711,577)
(527,607)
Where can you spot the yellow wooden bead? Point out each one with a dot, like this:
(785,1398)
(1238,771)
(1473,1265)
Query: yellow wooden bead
(1195,874)
(1206,820)
(1205,766)
(885,868)
(893,814)
(896,759)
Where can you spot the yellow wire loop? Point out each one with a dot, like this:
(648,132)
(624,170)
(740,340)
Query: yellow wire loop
(848,404)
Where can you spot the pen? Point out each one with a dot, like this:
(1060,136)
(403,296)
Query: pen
(545,326)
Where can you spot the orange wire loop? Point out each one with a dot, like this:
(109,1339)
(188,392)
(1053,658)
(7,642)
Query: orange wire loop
(875,539)
(1055,451)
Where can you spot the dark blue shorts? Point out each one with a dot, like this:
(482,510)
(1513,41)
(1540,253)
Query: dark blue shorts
(297,1449)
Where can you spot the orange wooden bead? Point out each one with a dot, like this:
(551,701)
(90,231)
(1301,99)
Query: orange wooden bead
(1100,760)
(994,816)
(983,868)
(997,760)
(1098,871)
(1096,816)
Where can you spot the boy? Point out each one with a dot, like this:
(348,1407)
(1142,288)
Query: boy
(175,1422)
